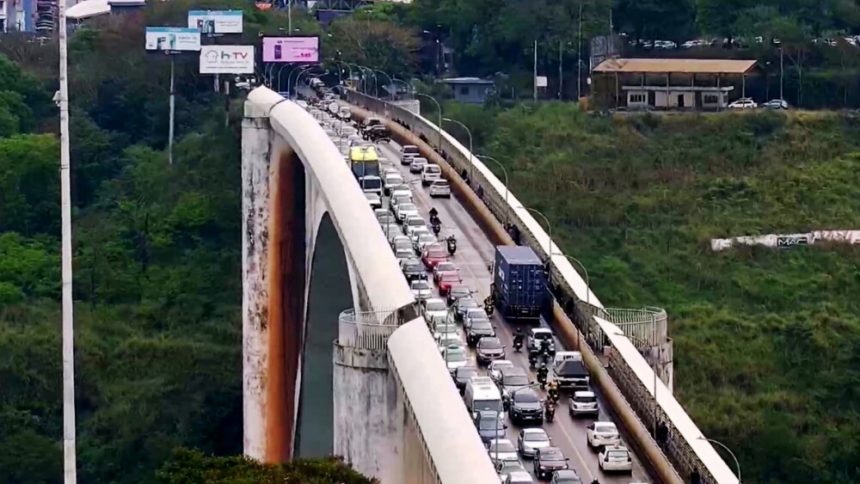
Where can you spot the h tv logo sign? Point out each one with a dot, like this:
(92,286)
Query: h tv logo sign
(227,59)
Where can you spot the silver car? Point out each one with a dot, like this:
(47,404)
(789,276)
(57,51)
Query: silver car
(532,439)
(440,188)
(421,289)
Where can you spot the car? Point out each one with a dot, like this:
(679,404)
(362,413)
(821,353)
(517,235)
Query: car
(434,254)
(531,440)
(455,356)
(507,467)
(413,270)
(402,254)
(775,104)
(477,330)
(519,477)
(416,232)
(600,434)
(474,314)
(373,199)
(386,218)
(408,152)
(430,173)
(510,379)
(410,222)
(440,189)
(401,191)
(489,348)
(496,367)
(371,184)
(421,239)
(547,461)
(565,476)
(396,200)
(391,180)
(440,328)
(525,407)
(400,242)
(615,458)
(501,449)
(583,403)
(462,376)
(535,338)
(447,280)
(456,292)
(421,289)
(743,103)
(463,305)
(434,308)
(444,267)
(448,339)
(490,425)
(417,165)
(404,210)
(391,232)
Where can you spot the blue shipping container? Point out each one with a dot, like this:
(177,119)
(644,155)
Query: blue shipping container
(520,283)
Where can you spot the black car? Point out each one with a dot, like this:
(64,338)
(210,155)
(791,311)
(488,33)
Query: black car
(489,348)
(478,330)
(490,426)
(463,305)
(462,376)
(458,291)
(526,407)
(547,461)
(511,379)
(413,269)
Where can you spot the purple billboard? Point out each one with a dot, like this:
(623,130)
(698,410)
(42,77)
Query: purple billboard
(303,50)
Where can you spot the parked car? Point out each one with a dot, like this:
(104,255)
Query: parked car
(743,103)
(430,173)
(489,348)
(440,188)
(421,289)
(601,434)
(502,449)
(417,165)
(775,104)
(531,440)
(615,458)
(583,403)
(448,280)
(433,255)
(457,292)
(412,271)
(525,407)
(547,461)
(462,376)
(373,199)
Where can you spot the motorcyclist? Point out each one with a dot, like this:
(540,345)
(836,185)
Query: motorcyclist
(542,373)
(452,244)
(552,390)
(434,216)
(544,347)
(488,305)
(518,339)
(436,228)
(549,409)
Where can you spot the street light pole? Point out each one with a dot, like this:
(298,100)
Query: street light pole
(737,463)
(70,472)
(504,172)
(549,229)
(469,132)
(579,58)
(584,270)
(439,112)
(390,83)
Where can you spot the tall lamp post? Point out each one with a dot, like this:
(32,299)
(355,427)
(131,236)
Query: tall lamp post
(390,83)
(439,113)
(70,472)
(469,132)
(549,230)
(504,172)
(724,446)
(585,271)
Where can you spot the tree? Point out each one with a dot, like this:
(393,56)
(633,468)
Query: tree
(29,184)
(376,44)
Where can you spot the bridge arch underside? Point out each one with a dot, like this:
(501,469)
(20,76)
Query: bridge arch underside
(310,287)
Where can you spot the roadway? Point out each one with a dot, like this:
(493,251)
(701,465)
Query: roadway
(473,257)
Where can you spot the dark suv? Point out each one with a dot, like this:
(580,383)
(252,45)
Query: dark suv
(547,461)
(413,269)
(526,407)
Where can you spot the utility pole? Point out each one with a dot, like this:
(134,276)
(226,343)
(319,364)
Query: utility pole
(579,58)
(560,69)
(290,18)
(70,471)
(780,72)
(172,111)
(534,77)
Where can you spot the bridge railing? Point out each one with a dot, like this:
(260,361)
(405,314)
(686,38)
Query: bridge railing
(365,330)
(572,292)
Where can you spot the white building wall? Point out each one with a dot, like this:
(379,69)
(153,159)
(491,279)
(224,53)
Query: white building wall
(660,99)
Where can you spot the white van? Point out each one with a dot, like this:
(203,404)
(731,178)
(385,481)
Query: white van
(482,394)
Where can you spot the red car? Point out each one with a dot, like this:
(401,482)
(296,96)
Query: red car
(433,255)
(446,280)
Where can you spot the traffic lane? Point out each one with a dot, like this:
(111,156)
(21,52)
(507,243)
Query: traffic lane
(474,253)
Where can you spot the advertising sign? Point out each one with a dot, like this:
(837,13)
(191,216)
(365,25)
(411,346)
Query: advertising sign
(210,22)
(172,39)
(540,81)
(302,50)
(227,59)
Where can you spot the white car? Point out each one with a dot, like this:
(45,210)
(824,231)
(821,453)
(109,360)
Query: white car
(440,188)
(495,367)
(396,201)
(417,165)
(421,289)
(435,309)
(615,458)
(400,191)
(443,327)
(391,180)
(531,439)
(430,173)
(583,403)
(448,339)
(502,449)
(374,200)
(455,356)
(422,239)
(411,223)
(743,103)
(405,209)
(417,232)
(506,467)
(402,254)
(600,434)
(371,184)
(519,477)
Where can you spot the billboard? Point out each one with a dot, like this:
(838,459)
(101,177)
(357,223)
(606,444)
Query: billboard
(172,39)
(216,21)
(301,50)
(227,59)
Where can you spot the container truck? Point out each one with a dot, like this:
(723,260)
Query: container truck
(519,283)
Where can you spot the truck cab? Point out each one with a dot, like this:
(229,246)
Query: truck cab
(569,371)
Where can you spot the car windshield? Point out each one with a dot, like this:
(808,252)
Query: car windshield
(481,325)
(466,373)
(515,380)
(407,206)
(526,396)
(393,180)
(415,222)
(425,237)
(509,465)
(436,252)
(420,285)
(581,399)
(617,455)
(551,453)
(410,149)
(490,343)
(466,303)
(445,266)
(450,277)
(605,427)
(432,169)
(371,183)
(443,328)
(460,291)
(542,335)
(491,405)
(536,437)
(502,446)
(413,266)
(436,306)
(491,423)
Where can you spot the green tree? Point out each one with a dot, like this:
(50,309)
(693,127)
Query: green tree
(29,185)
(376,44)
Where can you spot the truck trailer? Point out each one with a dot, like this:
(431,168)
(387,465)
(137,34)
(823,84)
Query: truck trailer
(519,283)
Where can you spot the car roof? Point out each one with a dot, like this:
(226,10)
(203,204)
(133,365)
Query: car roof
(511,369)
(584,394)
(540,330)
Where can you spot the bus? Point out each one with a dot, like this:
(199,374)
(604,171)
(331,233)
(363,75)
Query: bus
(364,161)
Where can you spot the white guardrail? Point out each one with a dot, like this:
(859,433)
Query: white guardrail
(686,446)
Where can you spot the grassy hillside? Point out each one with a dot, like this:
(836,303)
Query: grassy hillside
(767,342)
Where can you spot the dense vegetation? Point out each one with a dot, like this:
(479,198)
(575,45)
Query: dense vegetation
(767,342)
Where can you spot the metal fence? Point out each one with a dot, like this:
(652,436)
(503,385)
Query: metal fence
(366,330)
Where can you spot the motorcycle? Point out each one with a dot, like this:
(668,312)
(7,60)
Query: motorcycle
(541,376)
(550,411)
(452,245)
(553,395)
(434,220)
(436,229)
(518,343)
